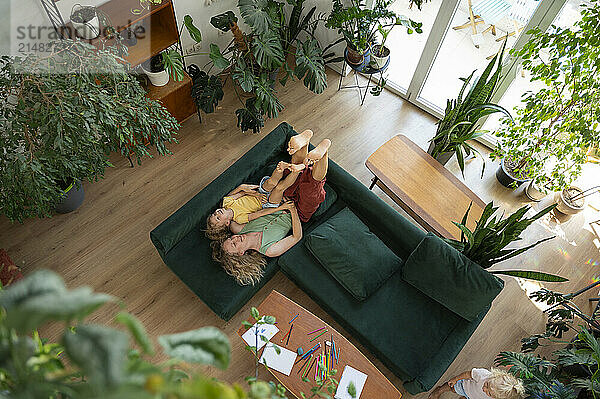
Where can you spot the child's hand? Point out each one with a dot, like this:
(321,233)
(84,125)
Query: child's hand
(288,205)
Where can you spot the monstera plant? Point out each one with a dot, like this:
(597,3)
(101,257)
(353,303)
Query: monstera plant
(255,61)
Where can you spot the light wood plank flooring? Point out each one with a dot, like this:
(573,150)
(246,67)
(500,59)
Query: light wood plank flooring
(105,244)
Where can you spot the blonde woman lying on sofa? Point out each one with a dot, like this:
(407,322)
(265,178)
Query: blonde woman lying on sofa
(242,255)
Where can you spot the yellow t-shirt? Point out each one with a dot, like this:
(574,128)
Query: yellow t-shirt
(242,207)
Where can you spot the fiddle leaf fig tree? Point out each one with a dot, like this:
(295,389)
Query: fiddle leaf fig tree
(61,115)
(555,126)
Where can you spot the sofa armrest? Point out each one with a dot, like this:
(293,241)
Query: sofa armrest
(194,213)
(438,365)
(400,235)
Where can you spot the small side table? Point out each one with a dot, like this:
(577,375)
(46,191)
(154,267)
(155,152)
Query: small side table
(368,70)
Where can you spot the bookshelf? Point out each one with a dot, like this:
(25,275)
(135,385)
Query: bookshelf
(161,32)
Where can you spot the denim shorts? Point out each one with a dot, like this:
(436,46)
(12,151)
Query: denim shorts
(458,388)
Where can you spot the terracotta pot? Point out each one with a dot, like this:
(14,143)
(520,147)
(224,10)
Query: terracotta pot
(358,60)
(563,206)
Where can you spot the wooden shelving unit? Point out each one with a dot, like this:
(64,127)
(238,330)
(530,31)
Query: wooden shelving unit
(161,32)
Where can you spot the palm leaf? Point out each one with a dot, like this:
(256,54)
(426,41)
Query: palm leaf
(531,275)
(266,100)
(570,357)
(525,365)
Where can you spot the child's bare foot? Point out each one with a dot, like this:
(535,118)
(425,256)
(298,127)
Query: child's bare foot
(298,141)
(296,168)
(281,166)
(318,152)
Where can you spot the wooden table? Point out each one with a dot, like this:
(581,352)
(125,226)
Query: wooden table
(284,309)
(421,186)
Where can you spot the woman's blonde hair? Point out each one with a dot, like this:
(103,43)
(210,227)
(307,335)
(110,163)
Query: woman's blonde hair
(504,385)
(216,233)
(246,269)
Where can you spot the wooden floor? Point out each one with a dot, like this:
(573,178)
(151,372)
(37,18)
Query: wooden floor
(105,244)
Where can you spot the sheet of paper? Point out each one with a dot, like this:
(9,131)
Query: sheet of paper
(350,375)
(282,361)
(267,330)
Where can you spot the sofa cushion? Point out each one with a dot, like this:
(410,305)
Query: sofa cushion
(402,327)
(449,277)
(353,255)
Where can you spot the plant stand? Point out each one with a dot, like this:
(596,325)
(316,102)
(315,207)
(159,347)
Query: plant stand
(368,70)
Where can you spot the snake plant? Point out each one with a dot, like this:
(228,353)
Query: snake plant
(460,121)
(485,245)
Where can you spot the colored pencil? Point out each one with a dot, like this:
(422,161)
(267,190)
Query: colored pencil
(308,353)
(289,322)
(314,331)
(312,339)
(311,364)
(286,334)
(303,364)
(306,368)
(339,351)
(289,335)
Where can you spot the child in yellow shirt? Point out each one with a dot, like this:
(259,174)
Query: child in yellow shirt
(249,201)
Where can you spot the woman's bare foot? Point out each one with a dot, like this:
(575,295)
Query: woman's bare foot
(296,168)
(298,141)
(318,152)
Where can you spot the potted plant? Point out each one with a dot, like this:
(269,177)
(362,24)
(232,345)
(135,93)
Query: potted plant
(381,54)
(358,25)
(485,245)
(85,21)
(571,200)
(548,140)
(256,59)
(63,114)
(155,69)
(460,122)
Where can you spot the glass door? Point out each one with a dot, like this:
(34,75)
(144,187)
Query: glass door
(519,81)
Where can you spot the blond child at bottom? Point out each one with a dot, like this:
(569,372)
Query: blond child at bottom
(483,384)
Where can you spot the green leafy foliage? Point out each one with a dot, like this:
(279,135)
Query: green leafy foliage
(352,389)
(224,21)
(256,14)
(462,115)
(486,244)
(61,125)
(267,50)
(310,66)
(207,91)
(575,368)
(253,58)
(358,23)
(99,351)
(555,126)
(44,297)
(137,331)
(173,63)
(95,361)
(192,29)
(206,345)
(250,117)
(217,58)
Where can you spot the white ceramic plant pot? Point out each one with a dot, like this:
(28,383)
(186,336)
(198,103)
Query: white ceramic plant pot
(567,208)
(157,78)
(533,193)
(88,30)
(380,61)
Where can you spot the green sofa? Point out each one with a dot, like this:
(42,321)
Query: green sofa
(415,336)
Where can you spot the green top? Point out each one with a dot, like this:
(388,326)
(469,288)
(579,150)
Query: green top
(274,227)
